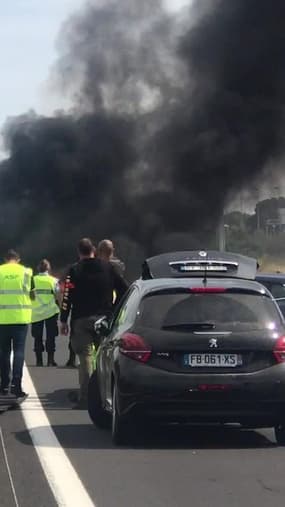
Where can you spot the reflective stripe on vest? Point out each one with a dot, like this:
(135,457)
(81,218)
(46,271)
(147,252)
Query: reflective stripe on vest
(44,291)
(15,307)
(12,291)
(15,287)
(44,305)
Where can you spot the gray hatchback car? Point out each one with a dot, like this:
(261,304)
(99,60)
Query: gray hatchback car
(195,340)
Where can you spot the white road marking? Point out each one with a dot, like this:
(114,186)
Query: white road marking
(66,486)
(8,468)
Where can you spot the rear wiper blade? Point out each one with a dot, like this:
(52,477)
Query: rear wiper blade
(190,326)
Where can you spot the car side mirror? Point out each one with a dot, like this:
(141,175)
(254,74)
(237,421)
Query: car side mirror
(101,326)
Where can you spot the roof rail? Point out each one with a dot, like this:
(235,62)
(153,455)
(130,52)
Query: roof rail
(206,264)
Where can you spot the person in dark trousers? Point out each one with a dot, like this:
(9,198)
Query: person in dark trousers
(88,294)
(45,313)
(16,286)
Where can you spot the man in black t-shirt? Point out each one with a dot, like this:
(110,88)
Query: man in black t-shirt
(88,294)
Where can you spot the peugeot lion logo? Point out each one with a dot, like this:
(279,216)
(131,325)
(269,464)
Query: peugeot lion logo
(213,343)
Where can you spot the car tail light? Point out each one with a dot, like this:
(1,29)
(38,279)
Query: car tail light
(279,350)
(207,290)
(134,347)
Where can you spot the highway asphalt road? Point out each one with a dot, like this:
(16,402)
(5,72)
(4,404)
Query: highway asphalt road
(170,467)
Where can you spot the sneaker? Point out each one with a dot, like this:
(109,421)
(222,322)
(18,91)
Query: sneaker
(50,360)
(4,391)
(18,392)
(51,363)
(39,359)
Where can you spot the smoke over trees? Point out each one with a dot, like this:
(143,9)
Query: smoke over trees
(171,115)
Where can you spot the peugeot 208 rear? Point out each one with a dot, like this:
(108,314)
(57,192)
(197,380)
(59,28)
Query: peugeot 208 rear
(196,350)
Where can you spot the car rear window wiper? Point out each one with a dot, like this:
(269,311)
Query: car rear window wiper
(190,326)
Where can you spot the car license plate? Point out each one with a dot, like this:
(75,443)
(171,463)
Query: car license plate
(212,360)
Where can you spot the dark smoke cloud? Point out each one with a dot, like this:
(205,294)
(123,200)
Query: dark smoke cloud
(229,127)
(59,173)
(121,56)
(171,116)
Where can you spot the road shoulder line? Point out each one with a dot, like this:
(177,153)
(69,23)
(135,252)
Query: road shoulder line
(64,481)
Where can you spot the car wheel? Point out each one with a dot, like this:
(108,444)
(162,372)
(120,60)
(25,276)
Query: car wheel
(280,434)
(96,412)
(121,428)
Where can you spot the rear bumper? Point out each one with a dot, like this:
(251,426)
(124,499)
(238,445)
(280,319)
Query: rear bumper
(263,414)
(255,398)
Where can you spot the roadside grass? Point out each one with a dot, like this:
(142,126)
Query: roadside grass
(270,264)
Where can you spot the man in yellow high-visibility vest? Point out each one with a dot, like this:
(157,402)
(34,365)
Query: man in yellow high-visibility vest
(45,313)
(16,285)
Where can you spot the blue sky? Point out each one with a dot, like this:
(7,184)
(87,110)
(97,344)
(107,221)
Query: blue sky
(28,32)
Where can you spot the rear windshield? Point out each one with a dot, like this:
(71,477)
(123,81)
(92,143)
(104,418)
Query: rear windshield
(202,312)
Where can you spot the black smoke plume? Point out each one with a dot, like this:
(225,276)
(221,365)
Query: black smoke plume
(172,115)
